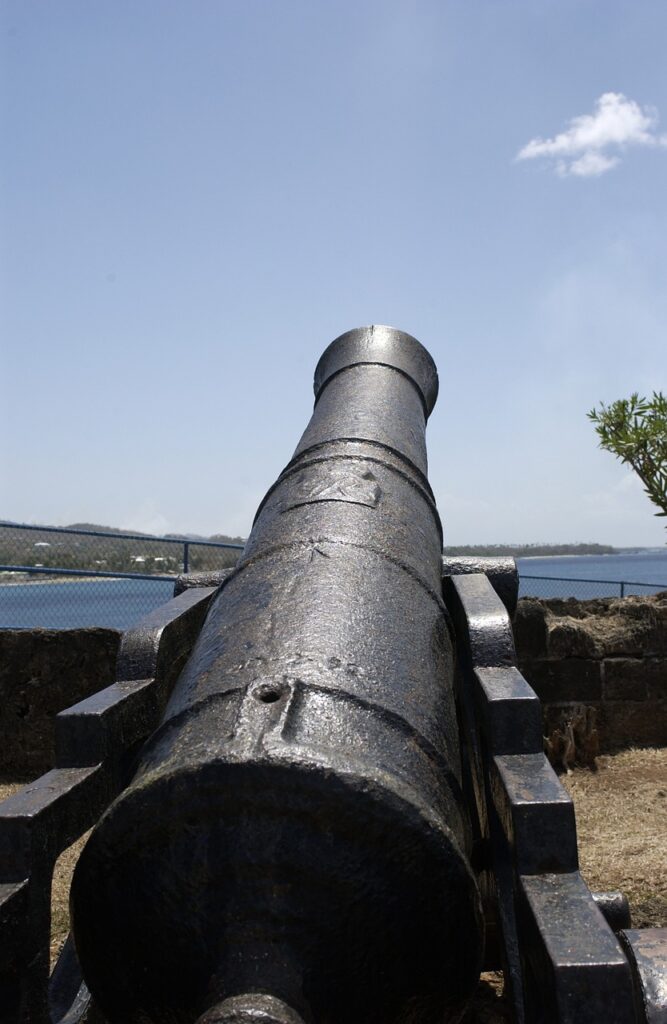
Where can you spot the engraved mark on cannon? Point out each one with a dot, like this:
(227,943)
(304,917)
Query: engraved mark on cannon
(349,484)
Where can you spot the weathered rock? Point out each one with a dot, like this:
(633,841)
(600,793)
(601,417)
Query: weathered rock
(630,626)
(633,724)
(564,681)
(530,628)
(625,678)
(569,638)
(42,672)
(656,679)
(609,654)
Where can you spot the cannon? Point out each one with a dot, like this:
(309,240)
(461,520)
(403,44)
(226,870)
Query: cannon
(317,787)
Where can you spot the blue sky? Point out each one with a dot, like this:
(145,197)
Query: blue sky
(196,197)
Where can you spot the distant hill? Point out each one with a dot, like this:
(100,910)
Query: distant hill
(102,529)
(222,538)
(216,538)
(113,552)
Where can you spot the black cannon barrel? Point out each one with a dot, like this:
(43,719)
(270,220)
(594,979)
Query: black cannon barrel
(293,846)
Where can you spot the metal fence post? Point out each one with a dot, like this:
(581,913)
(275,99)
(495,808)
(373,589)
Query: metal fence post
(186,556)
(622,588)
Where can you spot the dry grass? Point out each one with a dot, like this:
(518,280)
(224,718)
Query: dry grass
(621,825)
(489,1005)
(62,879)
(621,811)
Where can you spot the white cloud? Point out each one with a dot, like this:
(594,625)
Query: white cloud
(591,143)
(589,165)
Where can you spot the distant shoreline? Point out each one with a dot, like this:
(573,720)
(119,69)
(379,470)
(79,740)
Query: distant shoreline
(578,554)
(531,550)
(28,577)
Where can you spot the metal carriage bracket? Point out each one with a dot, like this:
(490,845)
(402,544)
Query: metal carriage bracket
(562,961)
(96,741)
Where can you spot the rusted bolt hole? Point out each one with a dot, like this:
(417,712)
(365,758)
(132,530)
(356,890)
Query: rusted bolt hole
(268,694)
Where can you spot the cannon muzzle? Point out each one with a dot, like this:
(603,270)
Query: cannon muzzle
(293,846)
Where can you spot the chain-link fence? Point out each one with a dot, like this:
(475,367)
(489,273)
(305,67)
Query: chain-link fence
(583,590)
(65,579)
(71,578)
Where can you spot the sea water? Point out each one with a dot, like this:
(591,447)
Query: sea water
(586,576)
(121,603)
(75,603)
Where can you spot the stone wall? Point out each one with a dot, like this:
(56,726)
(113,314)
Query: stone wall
(600,670)
(599,667)
(43,671)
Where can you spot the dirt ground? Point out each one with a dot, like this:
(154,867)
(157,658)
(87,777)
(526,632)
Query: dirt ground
(621,814)
(621,811)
